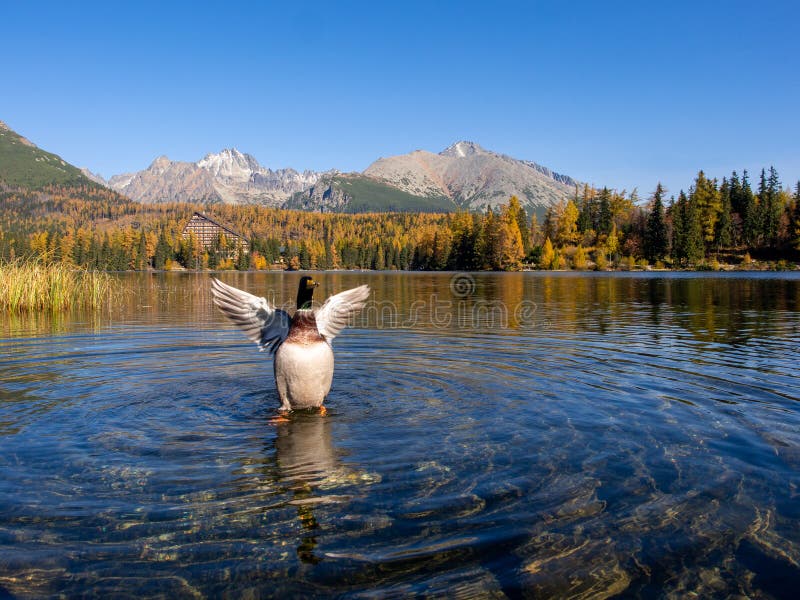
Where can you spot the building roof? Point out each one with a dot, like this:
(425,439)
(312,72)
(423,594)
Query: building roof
(218,224)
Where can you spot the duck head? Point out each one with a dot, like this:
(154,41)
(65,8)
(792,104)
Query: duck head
(304,292)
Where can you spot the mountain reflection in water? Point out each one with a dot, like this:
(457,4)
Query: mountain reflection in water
(500,435)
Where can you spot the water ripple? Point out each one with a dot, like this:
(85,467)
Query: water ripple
(614,450)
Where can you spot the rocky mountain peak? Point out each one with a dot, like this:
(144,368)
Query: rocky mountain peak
(230,163)
(462,149)
(160,164)
(473,177)
(94,176)
(228,176)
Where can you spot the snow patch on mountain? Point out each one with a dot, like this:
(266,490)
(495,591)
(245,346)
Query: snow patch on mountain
(465,173)
(229,176)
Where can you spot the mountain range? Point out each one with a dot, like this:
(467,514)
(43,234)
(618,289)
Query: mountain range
(462,176)
(229,176)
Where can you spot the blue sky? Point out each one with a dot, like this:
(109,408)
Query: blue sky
(622,94)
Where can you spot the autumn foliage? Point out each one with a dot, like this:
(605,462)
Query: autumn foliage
(96,228)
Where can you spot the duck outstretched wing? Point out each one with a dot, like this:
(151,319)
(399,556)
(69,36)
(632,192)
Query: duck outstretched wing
(263,324)
(334,314)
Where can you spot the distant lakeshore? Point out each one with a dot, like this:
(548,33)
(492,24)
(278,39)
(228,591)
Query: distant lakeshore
(717,226)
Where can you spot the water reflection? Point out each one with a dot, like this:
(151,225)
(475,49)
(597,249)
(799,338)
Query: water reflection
(714,308)
(306,461)
(557,436)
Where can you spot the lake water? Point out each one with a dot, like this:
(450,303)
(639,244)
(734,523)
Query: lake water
(487,435)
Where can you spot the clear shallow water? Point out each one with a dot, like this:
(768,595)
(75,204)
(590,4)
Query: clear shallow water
(511,435)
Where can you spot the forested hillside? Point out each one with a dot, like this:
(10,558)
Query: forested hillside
(714,222)
(23,164)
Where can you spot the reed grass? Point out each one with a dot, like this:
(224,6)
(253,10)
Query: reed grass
(29,285)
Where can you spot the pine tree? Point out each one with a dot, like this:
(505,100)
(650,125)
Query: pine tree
(163,251)
(513,250)
(705,198)
(772,208)
(518,214)
(464,243)
(142,259)
(656,240)
(761,211)
(442,244)
(678,212)
(333,255)
(550,223)
(695,248)
(723,236)
(242,258)
(105,253)
(380,259)
(567,224)
(736,196)
(304,257)
(78,256)
(750,220)
(405,257)
(605,218)
(586,218)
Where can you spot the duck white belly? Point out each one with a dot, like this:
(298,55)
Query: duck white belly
(303,373)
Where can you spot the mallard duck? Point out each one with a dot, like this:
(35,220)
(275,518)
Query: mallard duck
(301,344)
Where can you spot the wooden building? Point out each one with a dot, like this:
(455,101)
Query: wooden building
(209,233)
